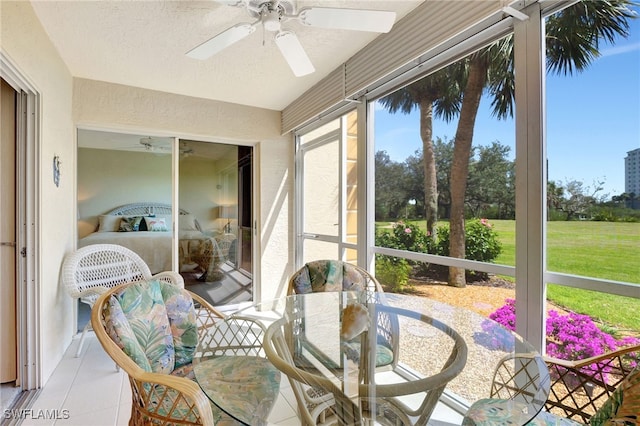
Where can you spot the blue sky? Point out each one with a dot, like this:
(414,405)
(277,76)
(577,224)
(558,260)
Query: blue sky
(593,120)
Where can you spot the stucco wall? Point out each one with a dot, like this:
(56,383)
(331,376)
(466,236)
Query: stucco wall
(67,103)
(27,46)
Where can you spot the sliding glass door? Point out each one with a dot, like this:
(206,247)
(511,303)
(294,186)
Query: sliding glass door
(214,227)
(209,241)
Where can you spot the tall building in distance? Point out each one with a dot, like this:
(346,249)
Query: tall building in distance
(632,172)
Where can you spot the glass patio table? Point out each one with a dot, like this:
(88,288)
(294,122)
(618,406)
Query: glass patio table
(230,367)
(384,358)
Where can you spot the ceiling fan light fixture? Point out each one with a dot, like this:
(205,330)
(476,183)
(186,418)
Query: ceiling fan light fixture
(271,20)
(294,53)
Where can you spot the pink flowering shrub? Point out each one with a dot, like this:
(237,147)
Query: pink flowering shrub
(571,337)
(506,314)
(576,336)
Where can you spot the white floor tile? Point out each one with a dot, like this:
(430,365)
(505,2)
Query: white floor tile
(281,411)
(89,391)
(93,396)
(124,414)
(97,417)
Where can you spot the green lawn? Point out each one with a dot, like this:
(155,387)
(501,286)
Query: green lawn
(593,249)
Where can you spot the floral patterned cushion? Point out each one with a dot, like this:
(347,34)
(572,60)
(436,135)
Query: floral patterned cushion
(250,384)
(497,412)
(623,406)
(328,275)
(154,324)
(185,371)
(182,319)
(163,406)
(120,331)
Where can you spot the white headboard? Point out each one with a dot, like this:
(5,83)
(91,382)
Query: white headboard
(146,208)
(143,209)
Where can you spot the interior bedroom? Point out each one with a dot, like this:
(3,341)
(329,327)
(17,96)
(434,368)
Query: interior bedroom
(124,197)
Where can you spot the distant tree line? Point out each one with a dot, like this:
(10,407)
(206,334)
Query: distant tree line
(490,189)
(490,183)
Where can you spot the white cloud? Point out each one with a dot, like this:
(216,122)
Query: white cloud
(620,50)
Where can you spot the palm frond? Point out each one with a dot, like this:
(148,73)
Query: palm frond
(574,34)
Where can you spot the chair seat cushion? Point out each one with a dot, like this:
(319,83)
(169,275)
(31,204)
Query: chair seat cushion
(219,416)
(245,384)
(384,354)
(166,402)
(623,406)
(496,412)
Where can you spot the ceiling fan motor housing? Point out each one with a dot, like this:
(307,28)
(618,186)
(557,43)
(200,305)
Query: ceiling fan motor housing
(257,8)
(271,20)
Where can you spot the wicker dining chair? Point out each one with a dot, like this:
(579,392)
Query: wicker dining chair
(91,270)
(581,389)
(336,275)
(159,334)
(594,391)
(332,275)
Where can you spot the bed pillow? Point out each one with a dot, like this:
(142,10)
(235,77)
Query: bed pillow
(187,222)
(130,223)
(109,223)
(156,224)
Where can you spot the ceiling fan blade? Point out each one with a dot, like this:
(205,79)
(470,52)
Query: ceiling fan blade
(377,21)
(294,53)
(221,41)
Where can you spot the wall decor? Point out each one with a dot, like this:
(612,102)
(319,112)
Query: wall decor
(56,170)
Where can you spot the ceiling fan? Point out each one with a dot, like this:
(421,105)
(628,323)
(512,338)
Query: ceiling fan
(162,146)
(273,14)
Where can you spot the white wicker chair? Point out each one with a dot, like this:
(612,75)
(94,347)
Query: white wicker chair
(92,270)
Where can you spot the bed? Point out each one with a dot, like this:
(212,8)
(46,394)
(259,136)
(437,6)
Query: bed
(146,228)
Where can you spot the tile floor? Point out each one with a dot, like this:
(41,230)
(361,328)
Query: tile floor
(89,391)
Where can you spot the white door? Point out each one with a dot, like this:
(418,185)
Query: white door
(327,192)
(8,343)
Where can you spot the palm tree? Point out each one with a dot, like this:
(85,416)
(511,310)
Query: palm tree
(437,94)
(573,36)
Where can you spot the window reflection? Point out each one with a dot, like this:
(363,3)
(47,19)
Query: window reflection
(215,197)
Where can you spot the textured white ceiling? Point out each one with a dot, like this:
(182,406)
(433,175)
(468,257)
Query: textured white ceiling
(143,44)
